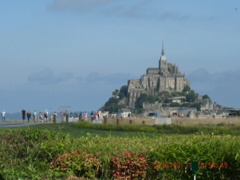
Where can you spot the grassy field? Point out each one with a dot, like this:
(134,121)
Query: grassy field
(75,131)
(83,128)
(70,151)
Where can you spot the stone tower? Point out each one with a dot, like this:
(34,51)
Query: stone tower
(163,61)
(164,78)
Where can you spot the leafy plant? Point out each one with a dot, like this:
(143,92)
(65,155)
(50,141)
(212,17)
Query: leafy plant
(130,166)
(82,164)
(29,154)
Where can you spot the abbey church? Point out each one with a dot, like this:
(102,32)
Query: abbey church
(166,77)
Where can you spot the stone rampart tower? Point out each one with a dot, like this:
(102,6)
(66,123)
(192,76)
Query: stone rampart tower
(164,78)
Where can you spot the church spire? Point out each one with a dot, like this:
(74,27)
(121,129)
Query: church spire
(162,48)
(163,57)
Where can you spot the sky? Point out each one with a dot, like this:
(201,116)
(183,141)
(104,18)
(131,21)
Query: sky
(56,53)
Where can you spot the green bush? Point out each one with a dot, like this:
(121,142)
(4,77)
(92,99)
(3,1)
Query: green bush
(25,153)
(129,166)
(82,164)
(29,154)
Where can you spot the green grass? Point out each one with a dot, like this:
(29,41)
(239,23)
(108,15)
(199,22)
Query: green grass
(76,131)
(83,129)
(27,153)
(164,129)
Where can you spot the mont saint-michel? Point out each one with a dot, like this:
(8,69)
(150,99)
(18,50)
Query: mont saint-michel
(166,77)
(164,89)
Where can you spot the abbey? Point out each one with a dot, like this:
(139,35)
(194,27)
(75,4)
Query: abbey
(166,77)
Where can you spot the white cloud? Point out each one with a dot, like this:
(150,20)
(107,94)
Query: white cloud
(114,78)
(122,8)
(47,76)
(82,6)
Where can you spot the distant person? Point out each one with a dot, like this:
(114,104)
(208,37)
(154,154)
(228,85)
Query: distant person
(85,115)
(3,115)
(46,115)
(54,117)
(40,116)
(35,116)
(29,115)
(23,114)
(75,115)
(96,115)
(214,115)
(80,116)
(92,115)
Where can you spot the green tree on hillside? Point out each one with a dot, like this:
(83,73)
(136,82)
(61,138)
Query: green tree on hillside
(114,93)
(191,99)
(112,105)
(123,92)
(141,99)
(186,88)
(144,98)
(206,97)
(191,96)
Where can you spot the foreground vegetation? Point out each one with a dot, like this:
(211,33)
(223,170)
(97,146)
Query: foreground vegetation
(34,153)
(165,129)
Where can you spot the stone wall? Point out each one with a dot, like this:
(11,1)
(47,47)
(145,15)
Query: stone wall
(175,121)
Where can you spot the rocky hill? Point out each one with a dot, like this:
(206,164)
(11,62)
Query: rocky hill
(186,98)
(162,89)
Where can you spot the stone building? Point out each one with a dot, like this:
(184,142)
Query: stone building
(166,77)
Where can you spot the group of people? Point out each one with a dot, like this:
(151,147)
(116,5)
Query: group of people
(42,116)
(95,115)
(81,116)
(73,114)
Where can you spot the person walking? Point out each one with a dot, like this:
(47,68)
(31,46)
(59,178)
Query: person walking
(54,117)
(92,115)
(3,115)
(29,115)
(35,116)
(23,114)
(46,115)
(85,116)
(40,116)
(80,116)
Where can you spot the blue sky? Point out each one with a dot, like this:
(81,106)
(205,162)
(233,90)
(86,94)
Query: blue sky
(76,52)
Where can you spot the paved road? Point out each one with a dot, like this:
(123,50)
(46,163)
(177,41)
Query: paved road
(20,124)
